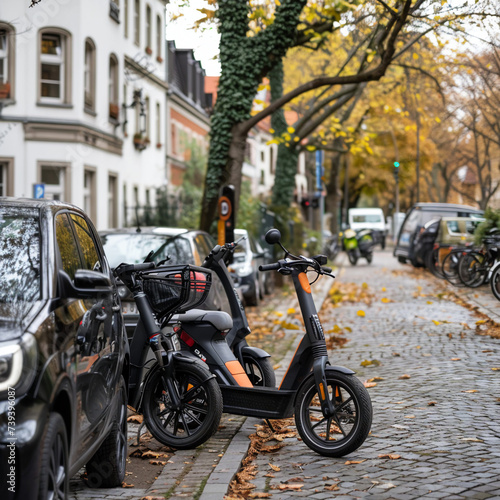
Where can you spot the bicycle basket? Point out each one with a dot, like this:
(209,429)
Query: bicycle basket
(174,289)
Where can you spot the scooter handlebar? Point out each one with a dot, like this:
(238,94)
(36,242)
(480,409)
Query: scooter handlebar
(270,267)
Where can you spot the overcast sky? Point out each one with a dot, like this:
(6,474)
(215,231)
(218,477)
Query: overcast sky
(205,43)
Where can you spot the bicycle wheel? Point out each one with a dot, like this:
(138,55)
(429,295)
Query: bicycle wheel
(259,370)
(347,429)
(450,267)
(198,414)
(432,263)
(495,283)
(472,269)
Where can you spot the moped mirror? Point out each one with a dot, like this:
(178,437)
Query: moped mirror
(273,236)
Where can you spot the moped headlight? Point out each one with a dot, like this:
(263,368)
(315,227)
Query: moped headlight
(18,364)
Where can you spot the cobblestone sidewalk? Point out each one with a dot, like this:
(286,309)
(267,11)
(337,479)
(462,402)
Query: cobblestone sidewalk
(442,418)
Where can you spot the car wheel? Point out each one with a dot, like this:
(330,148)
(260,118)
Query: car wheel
(254,298)
(106,469)
(54,459)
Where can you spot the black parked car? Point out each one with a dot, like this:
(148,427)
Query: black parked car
(417,217)
(63,353)
(181,246)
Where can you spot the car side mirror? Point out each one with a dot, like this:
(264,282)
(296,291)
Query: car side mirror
(87,284)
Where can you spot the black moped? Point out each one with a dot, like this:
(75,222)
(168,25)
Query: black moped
(333,411)
(178,396)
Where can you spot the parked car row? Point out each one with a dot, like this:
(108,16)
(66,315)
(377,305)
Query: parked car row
(64,353)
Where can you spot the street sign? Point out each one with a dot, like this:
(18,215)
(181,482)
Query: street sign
(38,191)
(225,226)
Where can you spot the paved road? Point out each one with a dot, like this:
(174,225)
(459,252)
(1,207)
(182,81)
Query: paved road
(443,421)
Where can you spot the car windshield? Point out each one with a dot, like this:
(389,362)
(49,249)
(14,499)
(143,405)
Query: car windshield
(367,218)
(131,248)
(19,257)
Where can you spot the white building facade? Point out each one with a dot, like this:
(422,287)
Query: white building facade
(83,104)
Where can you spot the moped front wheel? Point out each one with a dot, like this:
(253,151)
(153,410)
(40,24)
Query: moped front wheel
(344,431)
(259,370)
(197,416)
(353,258)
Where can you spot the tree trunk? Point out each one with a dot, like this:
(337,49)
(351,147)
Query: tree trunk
(334,195)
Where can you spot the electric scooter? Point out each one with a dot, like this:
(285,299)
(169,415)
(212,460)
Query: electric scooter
(178,396)
(333,411)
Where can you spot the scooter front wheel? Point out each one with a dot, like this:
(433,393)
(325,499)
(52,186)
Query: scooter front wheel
(353,258)
(197,416)
(348,427)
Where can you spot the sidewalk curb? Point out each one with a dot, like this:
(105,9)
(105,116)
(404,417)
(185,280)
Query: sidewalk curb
(218,482)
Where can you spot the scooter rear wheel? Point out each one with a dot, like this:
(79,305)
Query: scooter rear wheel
(347,429)
(199,412)
(260,371)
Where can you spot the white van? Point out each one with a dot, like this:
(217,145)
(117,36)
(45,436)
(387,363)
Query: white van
(369,218)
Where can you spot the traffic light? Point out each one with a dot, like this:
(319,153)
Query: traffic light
(315,202)
(305,202)
(396,164)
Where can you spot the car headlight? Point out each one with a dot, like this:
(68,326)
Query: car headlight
(18,364)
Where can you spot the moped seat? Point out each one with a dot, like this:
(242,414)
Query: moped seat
(218,319)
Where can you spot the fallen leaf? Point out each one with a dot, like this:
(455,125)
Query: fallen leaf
(295,487)
(269,475)
(385,300)
(259,495)
(429,302)
(409,416)
(384,289)
(153,454)
(332,487)
(275,467)
(291,310)
(391,456)
(125,485)
(157,462)
(386,486)
(370,362)
(137,419)
(473,440)
(375,379)
(481,322)
(396,354)
(397,426)
(487,350)
(361,313)
(404,377)
(471,390)
(432,403)
(436,322)
(456,359)
(350,462)
(370,384)
(495,369)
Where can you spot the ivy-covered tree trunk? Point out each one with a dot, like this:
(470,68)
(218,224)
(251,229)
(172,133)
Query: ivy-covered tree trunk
(244,62)
(287,157)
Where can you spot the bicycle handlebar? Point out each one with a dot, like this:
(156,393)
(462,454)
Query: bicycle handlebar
(270,267)
(133,268)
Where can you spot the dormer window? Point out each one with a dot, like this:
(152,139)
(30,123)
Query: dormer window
(114,10)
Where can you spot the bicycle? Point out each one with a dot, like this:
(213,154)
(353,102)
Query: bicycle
(179,398)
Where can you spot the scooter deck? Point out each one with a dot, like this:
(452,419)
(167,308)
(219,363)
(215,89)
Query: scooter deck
(261,402)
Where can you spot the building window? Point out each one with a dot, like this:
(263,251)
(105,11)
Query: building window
(125,17)
(56,180)
(159,38)
(149,47)
(158,125)
(55,71)
(114,10)
(137,22)
(147,125)
(112,201)
(6,176)
(89,195)
(7,39)
(114,108)
(89,75)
